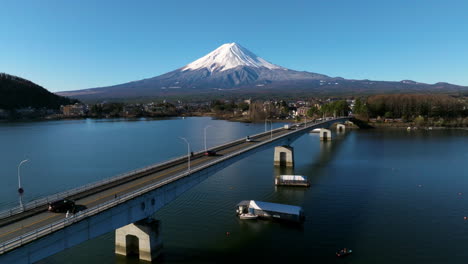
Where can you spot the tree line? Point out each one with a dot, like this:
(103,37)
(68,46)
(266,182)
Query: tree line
(444,110)
(408,106)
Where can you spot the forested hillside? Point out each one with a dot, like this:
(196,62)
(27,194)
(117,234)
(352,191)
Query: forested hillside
(16,93)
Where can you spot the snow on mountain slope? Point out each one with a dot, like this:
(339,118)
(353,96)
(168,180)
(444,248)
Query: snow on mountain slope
(229,56)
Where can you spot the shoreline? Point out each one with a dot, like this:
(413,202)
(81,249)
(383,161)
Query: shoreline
(241,119)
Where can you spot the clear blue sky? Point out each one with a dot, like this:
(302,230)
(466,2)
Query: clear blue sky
(69,45)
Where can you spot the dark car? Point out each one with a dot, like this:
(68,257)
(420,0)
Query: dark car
(61,206)
(210,153)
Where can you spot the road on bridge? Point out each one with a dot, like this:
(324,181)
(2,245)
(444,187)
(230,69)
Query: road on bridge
(23,223)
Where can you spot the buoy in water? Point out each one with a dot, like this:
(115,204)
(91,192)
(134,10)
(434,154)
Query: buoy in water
(465,217)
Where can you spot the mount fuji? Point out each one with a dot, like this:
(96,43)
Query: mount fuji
(232,68)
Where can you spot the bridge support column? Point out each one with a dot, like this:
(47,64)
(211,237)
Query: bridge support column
(340,128)
(284,156)
(142,237)
(325,134)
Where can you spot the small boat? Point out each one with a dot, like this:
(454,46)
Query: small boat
(248,216)
(344,252)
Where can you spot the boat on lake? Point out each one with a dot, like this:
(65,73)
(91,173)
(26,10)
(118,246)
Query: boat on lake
(292,180)
(248,216)
(343,252)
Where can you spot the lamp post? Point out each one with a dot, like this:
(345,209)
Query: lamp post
(271,130)
(271,127)
(20,189)
(188,152)
(205,135)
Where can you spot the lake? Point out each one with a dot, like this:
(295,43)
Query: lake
(390,195)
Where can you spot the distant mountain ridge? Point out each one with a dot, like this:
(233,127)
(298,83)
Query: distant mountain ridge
(232,68)
(16,93)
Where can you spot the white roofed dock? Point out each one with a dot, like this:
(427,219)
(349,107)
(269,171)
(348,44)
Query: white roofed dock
(271,210)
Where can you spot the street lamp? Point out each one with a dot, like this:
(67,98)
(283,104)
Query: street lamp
(20,189)
(205,135)
(188,152)
(271,127)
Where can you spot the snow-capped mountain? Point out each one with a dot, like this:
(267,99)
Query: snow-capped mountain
(229,56)
(232,68)
(228,66)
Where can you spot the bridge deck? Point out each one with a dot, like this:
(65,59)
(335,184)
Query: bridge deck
(20,224)
(27,224)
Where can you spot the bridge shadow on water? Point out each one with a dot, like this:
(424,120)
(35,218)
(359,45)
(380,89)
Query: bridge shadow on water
(336,205)
(328,151)
(331,225)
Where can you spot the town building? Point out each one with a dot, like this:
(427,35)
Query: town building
(76,109)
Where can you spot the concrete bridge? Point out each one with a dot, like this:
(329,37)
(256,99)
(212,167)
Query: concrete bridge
(125,203)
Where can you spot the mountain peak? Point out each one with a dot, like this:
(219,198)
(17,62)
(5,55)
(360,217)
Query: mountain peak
(228,56)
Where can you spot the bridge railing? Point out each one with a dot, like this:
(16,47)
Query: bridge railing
(54,197)
(60,224)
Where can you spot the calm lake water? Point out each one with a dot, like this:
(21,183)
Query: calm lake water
(390,195)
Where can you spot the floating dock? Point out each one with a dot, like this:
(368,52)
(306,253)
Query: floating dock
(292,180)
(271,210)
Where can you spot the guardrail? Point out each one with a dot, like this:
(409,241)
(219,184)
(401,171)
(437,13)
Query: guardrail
(54,197)
(45,230)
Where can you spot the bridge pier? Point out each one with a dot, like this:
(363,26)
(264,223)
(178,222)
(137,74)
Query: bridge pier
(142,237)
(284,156)
(325,134)
(340,128)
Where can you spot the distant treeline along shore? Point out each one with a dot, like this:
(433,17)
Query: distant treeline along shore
(23,99)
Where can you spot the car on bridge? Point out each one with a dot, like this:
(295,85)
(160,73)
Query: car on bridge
(210,153)
(62,206)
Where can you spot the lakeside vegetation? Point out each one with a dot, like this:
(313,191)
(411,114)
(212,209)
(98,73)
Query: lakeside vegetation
(418,109)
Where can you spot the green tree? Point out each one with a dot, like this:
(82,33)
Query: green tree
(313,111)
(419,121)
